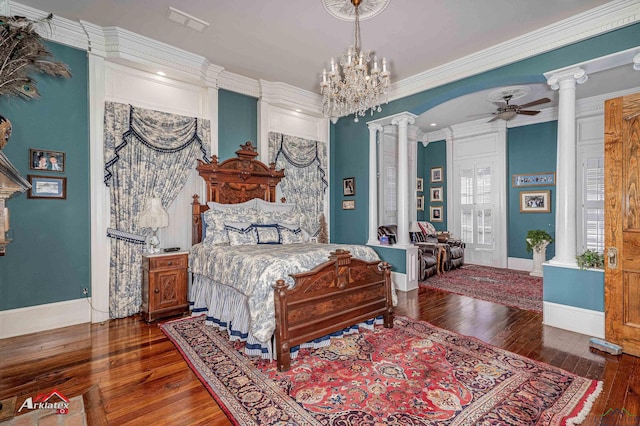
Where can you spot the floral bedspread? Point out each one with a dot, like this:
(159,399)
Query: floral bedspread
(252,269)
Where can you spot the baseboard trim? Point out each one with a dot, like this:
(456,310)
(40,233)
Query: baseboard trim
(32,319)
(579,320)
(519,264)
(401,283)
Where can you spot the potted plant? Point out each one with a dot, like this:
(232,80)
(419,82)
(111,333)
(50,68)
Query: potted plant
(537,242)
(590,259)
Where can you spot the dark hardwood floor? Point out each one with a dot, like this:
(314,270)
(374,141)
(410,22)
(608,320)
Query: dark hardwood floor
(130,373)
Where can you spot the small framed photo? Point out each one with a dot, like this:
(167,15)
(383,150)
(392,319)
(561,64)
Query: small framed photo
(419,185)
(348,204)
(435,214)
(436,194)
(535,201)
(47,187)
(420,203)
(436,174)
(349,186)
(41,159)
(536,179)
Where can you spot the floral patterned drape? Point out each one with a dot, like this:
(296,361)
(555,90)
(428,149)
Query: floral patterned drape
(147,154)
(304,162)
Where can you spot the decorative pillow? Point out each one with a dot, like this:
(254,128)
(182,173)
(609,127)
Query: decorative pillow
(251,204)
(216,219)
(292,236)
(427,228)
(267,234)
(265,206)
(240,233)
(293,218)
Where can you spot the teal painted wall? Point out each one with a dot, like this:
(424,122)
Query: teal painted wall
(49,259)
(574,287)
(350,141)
(530,149)
(237,122)
(395,257)
(435,156)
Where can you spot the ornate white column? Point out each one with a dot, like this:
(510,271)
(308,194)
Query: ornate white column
(403,121)
(373,182)
(565,206)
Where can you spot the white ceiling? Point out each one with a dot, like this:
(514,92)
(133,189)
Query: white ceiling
(292,41)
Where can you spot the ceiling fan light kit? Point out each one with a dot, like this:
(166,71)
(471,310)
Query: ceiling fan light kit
(507,111)
(349,87)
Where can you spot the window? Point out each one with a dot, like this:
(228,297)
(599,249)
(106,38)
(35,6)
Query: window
(476,205)
(593,202)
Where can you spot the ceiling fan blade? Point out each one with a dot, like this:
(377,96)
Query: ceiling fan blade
(538,102)
(493,119)
(527,112)
(484,114)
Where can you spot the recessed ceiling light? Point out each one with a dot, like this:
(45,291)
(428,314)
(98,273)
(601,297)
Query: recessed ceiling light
(433,124)
(161,73)
(298,110)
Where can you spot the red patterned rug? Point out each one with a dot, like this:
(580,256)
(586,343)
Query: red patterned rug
(497,285)
(413,374)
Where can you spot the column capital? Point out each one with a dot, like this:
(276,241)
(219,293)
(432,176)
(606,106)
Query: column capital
(375,127)
(576,75)
(636,62)
(403,120)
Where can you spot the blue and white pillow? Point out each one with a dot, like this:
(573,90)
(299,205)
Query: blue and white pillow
(215,233)
(267,234)
(240,233)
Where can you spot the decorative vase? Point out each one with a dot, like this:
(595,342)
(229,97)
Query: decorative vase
(539,255)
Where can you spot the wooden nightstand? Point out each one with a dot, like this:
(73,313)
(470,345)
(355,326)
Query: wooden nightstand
(164,285)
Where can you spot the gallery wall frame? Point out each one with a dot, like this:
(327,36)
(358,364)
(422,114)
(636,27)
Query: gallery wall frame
(535,201)
(349,186)
(348,204)
(54,187)
(533,179)
(43,159)
(420,203)
(436,174)
(435,194)
(435,214)
(419,185)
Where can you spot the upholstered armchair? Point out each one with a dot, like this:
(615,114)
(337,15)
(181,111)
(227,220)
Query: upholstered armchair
(452,255)
(429,255)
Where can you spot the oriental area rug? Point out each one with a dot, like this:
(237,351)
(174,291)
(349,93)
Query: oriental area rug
(412,374)
(504,286)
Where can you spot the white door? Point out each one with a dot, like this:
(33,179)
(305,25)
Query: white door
(388,182)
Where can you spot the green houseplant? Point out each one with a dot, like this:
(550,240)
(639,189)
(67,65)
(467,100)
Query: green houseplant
(536,238)
(590,259)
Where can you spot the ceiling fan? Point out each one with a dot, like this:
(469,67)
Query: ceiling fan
(507,111)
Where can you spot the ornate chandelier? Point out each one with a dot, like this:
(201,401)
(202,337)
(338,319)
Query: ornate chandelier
(355,90)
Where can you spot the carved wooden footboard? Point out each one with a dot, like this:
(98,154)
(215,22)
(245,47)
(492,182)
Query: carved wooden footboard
(334,295)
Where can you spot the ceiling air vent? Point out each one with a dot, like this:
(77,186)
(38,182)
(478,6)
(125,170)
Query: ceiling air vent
(187,20)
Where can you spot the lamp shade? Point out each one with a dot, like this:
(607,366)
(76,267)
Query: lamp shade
(414,227)
(154,216)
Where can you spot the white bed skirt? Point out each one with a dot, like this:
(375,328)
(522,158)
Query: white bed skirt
(227,309)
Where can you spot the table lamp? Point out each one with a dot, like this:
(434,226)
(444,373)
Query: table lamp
(414,228)
(154,217)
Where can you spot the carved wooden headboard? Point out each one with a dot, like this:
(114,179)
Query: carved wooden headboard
(233,181)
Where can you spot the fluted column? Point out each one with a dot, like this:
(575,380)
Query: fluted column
(565,239)
(373,182)
(402,121)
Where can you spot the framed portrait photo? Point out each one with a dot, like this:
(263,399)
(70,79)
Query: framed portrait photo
(436,174)
(349,186)
(535,201)
(436,193)
(435,214)
(47,187)
(419,185)
(42,159)
(537,179)
(420,203)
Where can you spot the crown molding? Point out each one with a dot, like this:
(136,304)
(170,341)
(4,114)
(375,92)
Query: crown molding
(291,97)
(239,84)
(608,17)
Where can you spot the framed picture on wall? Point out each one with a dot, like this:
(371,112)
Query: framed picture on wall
(435,214)
(420,203)
(41,159)
(348,204)
(436,174)
(535,201)
(47,187)
(419,185)
(349,186)
(436,193)
(537,179)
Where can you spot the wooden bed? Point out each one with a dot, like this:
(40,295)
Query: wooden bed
(336,294)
